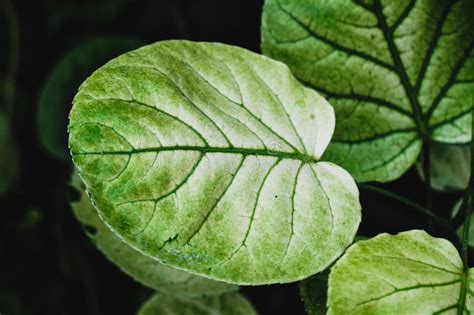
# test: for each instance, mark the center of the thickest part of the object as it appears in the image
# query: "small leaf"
(140, 267)
(450, 166)
(204, 156)
(408, 273)
(54, 102)
(313, 292)
(225, 304)
(396, 72)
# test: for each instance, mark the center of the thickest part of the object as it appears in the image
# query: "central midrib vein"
(461, 305)
(409, 90)
(231, 150)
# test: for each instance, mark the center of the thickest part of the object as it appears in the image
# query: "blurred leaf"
(104, 11)
(313, 292)
(140, 267)
(225, 304)
(450, 166)
(10, 303)
(32, 219)
(8, 156)
(55, 99)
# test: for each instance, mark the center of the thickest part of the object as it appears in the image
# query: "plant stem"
(408, 202)
(465, 231)
(466, 228)
(469, 206)
(427, 171)
(10, 79)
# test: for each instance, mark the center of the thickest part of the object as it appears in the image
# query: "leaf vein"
(336, 45)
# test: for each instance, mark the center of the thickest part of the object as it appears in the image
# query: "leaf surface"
(397, 73)
(205, 157)
(225, 304)
(408, 273)
(140, 267)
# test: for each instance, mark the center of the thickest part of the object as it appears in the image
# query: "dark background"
(47, 264)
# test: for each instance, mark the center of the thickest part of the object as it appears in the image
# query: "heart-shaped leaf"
(226, 304)
(140, 267)
(408, 273)
(397, 72)
(205, 157)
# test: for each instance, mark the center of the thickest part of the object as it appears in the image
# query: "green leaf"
(450, 166)
(8, 156)
(54, 101)
(408, 273)
(204, 156)
(396, 72)
(226, 304)
(313, 292)
(140, 267)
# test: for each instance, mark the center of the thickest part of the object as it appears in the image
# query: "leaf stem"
(466, 228)
(407, 202)
(467, 225)
(468, 206)
(427, 171)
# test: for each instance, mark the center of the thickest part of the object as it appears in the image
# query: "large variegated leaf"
(408, 273)
(397, 72)
(226, 304)
(140, 267)
(205, 157)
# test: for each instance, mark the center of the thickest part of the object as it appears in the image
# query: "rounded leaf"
(205, 157)
(408, 273)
